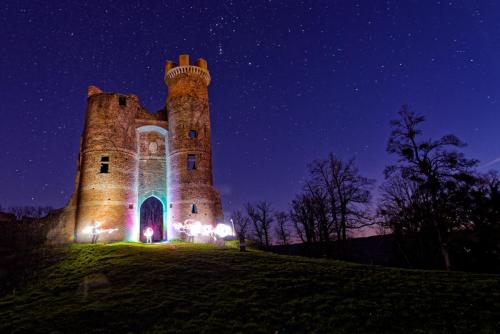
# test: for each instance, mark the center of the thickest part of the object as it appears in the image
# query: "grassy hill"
(203, 289)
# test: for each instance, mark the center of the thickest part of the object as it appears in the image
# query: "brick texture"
(146, 155)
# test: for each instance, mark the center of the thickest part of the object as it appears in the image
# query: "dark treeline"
(435, 196)
(27, 211)
(22, 227)
(441, 211)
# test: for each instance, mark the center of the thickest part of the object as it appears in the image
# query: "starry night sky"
(292, 81)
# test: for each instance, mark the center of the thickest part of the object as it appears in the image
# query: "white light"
(196, 228)
(222, 230)
(148, 232)
(88, 229)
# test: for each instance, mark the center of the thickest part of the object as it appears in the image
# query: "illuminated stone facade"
(128, 155)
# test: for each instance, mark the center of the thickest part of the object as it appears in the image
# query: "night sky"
(292, 81)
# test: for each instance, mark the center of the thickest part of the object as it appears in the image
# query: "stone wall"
(109, 138)
(188, 111)
(145, 155)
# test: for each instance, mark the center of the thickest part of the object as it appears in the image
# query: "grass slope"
(202, 289)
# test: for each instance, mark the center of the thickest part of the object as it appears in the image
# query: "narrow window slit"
(104, 165)
(122, 101)
(191, 162)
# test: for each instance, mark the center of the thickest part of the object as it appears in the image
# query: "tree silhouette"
(424, 179)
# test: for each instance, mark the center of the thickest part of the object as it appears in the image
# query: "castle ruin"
(129, 156)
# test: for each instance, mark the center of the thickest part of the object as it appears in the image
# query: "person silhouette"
(148, 233)
(94, 232)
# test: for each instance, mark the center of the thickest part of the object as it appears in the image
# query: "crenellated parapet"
(191, 192)
(200, 69)
(130, 157)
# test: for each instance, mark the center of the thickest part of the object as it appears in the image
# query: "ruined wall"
(145, 155)
(60, 226)
(109, 137)
(188, 111)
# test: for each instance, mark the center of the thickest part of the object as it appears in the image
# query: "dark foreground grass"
(202, 289)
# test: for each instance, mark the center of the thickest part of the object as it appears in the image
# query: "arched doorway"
(152, 216)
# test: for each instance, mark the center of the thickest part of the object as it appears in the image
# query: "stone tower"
(107, 166)
(129, 155)
(190, 188)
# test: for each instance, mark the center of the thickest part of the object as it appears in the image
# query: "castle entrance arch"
(151, 215)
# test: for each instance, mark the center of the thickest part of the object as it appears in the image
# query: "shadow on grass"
(199, 288)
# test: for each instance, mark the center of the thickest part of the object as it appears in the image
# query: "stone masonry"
(128, 155)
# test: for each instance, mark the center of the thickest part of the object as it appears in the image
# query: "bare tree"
(303, 218)
(435, 169)
(252, 215)
(241, 223)
(400, 205)
(282, 228)
(341, 197)
(261, 215)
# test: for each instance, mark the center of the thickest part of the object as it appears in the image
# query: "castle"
(129, 156)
